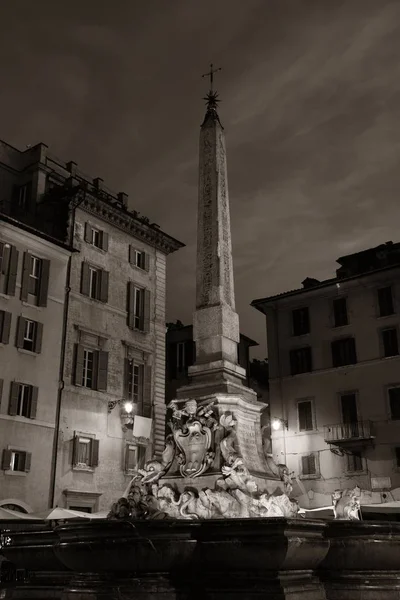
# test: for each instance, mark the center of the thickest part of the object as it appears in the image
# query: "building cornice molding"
(127, 222)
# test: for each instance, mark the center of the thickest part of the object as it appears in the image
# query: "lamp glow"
(276, 424)
(128, 406)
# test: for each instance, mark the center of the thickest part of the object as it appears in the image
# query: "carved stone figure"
(346, 504)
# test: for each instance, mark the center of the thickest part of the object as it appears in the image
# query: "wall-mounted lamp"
(126, 405)
(278, 423)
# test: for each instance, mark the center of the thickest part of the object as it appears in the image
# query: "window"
(5, 326)
(340, 312)
(305, 415)
(91, 368)
(29, 335)
(16, 460)
(309, 465)
(300, 360)
(23, 400)
(96, 237)
(138, 258)
(390, 342)
(134, 457)
(35, 279)
(354, 462)
(385, 301)
(21, 197)
(344, 352)
(301, 321)
(8, 268)
(137, 386)
(94, 282)
(138, 307)
(397, 456)
(394, 402)
(85, 451)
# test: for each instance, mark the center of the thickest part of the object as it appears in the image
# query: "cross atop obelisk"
(210, 74)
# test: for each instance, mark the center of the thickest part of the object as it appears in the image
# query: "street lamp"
(128, 407)
(278, 423)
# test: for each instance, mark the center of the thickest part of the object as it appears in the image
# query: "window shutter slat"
(146, 310)
(127, 457)
(146, 261)
(94, 453)
(103, 286)
(104, 241)
(126, 378)
(6, 460)
(12, 272)
(88, 233)
(34, 400)
(25, 276)
(147, 398)
(20, 332)
(1, 389)
(131, 304)
(85, 280)
(75, 450)
(102, 370)
(1, 257)
(28, 460)
(78, 371)
(131, 254)
(44, 283)
(14, 392)
(38, 337)
(5, 321)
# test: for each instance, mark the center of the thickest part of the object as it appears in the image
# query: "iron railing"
(341, 432)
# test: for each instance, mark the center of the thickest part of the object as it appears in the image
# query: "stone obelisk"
(216, 374)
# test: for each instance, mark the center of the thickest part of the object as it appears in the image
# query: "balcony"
(349, 435)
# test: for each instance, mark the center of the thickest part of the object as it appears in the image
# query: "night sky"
(310, 96)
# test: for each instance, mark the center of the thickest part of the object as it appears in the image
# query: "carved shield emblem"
(194, 444)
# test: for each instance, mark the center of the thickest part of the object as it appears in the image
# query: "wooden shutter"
(28, 460)
(38, 338)
(308, 465)
(5, 326)
(126, 378)
(78, 371)
(34, 399)
(131, 254)
(20, 332)
(127, 457)
(146, 310)
(146, 261)
(131, 304)
(103, 297)
(102, 368)
(85, 279)
(6, 460)
(1, 389)
(88, 233)
(1, 257)
(44, 283)
(147, 398)
(75, 450)
(104, 241)
(305, 416)
(14, 393)
(94, 453)
(26, 265)
(12, 272)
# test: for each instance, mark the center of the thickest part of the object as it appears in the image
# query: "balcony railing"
(349, 432)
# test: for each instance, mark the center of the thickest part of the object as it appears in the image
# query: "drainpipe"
(278, 354)
(61, 384)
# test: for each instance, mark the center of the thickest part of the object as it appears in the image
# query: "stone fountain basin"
(362, 545)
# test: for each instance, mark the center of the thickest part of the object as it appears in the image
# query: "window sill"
(96, 247)
(30, 305)
(29, 352)
(355, 473)
(5, 296)
(83, 469)
(93, 299)
(138, 268)
(338, 327)
(16, 473)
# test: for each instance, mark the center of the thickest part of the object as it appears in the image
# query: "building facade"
(111, 404)
(334, 363)
(180, 353)
(33, 269)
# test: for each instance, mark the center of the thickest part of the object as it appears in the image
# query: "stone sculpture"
(346, 504)
(236, 493)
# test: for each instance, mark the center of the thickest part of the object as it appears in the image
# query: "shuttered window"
(96, 237)
(309, 465)
(354, 462)
(138, 307)
(8, 268)
(340, 312)
(16, 460)
(304, 409)
(301, 321)
(5, 326)
(85, 451)
(390, 342)
(134, 457)
(29, 335)
(394, 402)
(91, 368)
(23, 400)
(344, 352)
(139, 258)
(35, 279)
(385, 301)
(300, 360)
(94, 282)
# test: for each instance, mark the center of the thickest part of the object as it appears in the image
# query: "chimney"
(123, 198)
(71, 167)
(98, 183)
